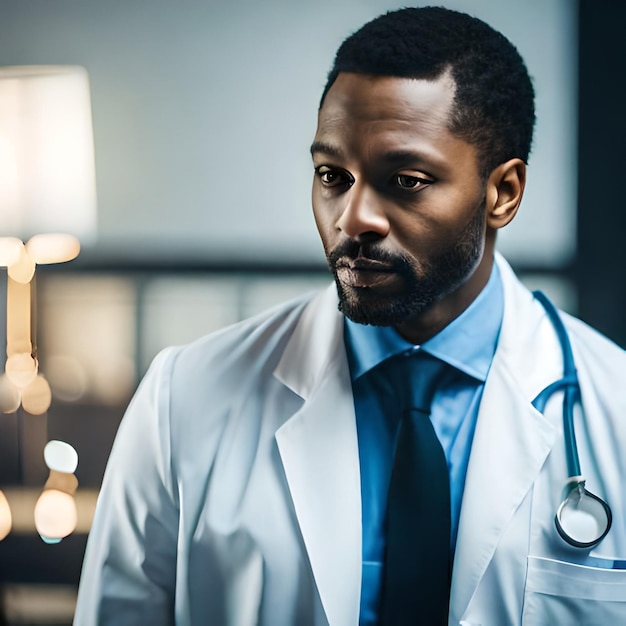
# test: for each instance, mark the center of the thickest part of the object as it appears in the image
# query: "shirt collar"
(468, 343)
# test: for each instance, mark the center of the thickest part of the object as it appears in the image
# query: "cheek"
(326, 207)
(429, 236)
(417, 233)
(322, 216)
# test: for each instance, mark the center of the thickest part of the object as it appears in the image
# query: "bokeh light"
(6, 520)
(10, 396)
(10, 250)
(21, 369)
(37, 397)
(55, 514)
(53, 248)
(23, 269)
(60, 456)
(67, 377)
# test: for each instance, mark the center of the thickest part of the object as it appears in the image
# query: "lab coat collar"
(512, 439)
(316, 342)
(319, 451)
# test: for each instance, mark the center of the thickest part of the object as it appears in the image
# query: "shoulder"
(191, 392)
(211, 359)
(589, 337)
(604, 358)
(530, 331)
(239, 341)
(210, 375)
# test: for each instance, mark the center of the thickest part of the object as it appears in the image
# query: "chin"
(365, 306)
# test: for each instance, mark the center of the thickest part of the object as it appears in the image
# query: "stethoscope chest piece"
(582, 519)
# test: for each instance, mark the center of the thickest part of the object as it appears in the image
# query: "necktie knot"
(414, 379)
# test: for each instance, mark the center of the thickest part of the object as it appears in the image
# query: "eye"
(330, 177)
(408, 181)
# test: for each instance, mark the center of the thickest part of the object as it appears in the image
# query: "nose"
(363, 217)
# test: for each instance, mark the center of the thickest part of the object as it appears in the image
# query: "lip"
(365, 274)
(368, 265)
(364, 264)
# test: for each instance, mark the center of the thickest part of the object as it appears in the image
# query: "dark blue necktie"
(416, 587)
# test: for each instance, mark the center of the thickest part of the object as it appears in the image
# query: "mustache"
(369, 251)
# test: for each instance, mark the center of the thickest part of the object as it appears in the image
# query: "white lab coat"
(232, 493)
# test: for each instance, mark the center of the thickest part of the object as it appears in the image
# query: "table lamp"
(47, 208)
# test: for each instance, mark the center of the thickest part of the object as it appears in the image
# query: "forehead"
(389, 110)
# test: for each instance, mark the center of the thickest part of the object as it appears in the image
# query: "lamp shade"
(47, 165)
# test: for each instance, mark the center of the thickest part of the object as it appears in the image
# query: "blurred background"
(203, 113)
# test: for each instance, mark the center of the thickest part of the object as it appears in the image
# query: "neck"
(419, 329)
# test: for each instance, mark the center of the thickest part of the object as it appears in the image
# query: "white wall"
(204, 112)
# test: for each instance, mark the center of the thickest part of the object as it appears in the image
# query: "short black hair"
(494, 98)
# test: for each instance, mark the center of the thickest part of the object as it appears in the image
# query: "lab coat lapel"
(512, 439)
(319, 451)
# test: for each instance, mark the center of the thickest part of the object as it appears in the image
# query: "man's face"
(398, 199)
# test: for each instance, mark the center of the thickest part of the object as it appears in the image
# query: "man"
(266, 474)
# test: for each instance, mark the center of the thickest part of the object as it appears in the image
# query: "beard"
(425, 281)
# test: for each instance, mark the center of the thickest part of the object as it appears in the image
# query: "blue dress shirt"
(467, 344)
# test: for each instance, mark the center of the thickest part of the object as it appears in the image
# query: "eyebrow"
(393, 156)
(326, 148)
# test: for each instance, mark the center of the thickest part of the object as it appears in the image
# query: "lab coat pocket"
(564, 593)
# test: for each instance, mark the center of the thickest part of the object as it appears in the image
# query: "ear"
(504, 191)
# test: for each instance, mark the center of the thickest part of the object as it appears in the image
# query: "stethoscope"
(582, 519)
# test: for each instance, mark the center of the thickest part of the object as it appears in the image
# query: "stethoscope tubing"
(569, 383)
